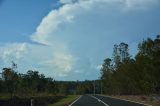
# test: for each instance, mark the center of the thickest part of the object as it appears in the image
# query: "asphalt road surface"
(97, 100)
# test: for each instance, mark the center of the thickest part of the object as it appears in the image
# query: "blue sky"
(69, 40)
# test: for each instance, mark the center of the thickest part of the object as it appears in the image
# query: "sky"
(69, 39)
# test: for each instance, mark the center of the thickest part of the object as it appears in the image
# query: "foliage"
(24, 85)
(33, 84)
(139, 75)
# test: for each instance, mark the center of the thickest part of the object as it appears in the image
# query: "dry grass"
(64, 102)
(153, 100)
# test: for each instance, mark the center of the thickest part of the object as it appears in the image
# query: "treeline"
(32, 84)
(123, 74)
(79, 87)
(25, 85)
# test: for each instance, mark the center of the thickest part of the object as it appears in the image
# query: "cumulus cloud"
(13, 51)
(126, 4)
(67, 12)
(62, 59)
(50, 30)
(140, 4)
(61, 62)
(50, 23)
(68, 1)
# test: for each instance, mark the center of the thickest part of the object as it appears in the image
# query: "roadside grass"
(156, 104)
(42, 94)
(66, 101)
(40, 99)
(4, 96)
(153, 100)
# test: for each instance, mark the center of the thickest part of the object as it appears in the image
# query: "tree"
(149, 58)
(11, 80)
(139, 75)
(120, 53)
(106, 75)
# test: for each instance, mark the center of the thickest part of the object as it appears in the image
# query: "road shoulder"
(129, 99)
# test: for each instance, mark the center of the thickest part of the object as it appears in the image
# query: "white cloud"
(61, 62)
(13, 51)
(48, 31)
(66, 1)
(127, 4)
(50, 23)
(140, 4)
(67, 12)
(99, 67)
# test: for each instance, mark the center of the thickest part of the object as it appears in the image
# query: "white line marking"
(99, 100)
(75, 101)
(125, 100)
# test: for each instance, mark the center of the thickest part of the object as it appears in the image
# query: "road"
(97, 100)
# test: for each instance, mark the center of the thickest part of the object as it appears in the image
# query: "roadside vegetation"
(17, 89)
(65, 101)
(153, 100)
(134, 77)
(25, 85)
(124, 75)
